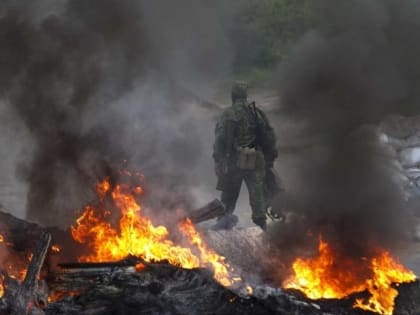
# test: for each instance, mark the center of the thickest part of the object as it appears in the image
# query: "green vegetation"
(264, 31)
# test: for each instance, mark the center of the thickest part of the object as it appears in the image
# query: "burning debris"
(137, 236)
(129, 263)
(160, 288)
(332, 276)
(28, 296)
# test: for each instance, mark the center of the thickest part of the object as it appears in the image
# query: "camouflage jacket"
(237, 127)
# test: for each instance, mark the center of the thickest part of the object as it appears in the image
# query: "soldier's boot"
(261, 222)
(225, 222)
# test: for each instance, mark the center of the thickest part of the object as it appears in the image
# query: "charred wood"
(121, 288)
(166, 289)
(27, 297)
(22, 234)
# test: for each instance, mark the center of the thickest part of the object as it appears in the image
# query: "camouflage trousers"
(254, 181)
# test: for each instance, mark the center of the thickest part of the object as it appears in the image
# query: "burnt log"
(28, 297)
(157, 289)
(167, 289)
(130, 261)
(210, 211)
(21, 234)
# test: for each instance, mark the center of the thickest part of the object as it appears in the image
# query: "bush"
(263, 31)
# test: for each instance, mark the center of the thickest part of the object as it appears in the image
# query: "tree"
(263, 31)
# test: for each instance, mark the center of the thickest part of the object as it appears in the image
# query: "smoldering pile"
(155, 288)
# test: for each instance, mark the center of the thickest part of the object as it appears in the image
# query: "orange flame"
(208, 256)
(15, 267)
(140, 267)
(137, 236)
(328, 276)
(13, 272)
(102, 188)
(386, 272)
(55, 249)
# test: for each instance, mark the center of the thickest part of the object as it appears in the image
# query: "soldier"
(243, 149)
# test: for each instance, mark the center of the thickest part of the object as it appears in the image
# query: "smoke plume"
(338, 84)
(95, 82)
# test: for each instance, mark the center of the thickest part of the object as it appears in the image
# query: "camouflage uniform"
(237, 128)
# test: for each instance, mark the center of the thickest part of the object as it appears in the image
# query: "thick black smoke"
(338, 84)
(94, 82)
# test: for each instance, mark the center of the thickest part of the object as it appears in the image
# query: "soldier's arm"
(224, 133)
(223, 144)
(268, 141)
(221, 133)
(219, 142)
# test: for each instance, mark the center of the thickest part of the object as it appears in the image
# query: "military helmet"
(239, 90)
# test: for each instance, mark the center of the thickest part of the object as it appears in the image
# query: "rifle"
(258, 131)
(272, 184)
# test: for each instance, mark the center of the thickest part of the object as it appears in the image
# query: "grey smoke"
(94, 82)
(338, 84)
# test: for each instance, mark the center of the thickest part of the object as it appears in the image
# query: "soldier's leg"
(229, 198)
(255, 183)
(231, 193)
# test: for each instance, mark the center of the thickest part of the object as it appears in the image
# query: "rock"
(243, 247)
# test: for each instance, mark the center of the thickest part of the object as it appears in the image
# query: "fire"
(13, 272)
(208, 256)
(55, 249)
(386, 272)
(15, 267)
(136, 235)
(249, 290)
(140, 267)
(329, 276)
